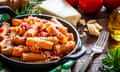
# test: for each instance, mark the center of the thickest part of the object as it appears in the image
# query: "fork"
(98, 47)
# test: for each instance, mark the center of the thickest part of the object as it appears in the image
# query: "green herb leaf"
(4, 17)
(108, 62)
(111, 53)
(109, 70)
(112, 62)
(28, 9)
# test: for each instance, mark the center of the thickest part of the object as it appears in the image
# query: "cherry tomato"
(73, 2)
(25, 26)
(111, 4)
(90, 6)
(43, 34)
(1, 29)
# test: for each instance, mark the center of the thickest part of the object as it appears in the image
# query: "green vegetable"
(112, 62)
(29, 9)
(4, 17)
(1, 67)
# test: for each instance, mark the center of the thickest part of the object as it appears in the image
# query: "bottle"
(14, 4)
(114, 24)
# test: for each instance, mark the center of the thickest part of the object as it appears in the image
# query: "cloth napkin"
(66, 67)
(2, 69)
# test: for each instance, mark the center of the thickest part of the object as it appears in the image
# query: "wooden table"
(88, 41)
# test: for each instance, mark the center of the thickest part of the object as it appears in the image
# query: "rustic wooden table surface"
(96, 64)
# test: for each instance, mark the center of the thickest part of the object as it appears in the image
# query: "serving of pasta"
(34, 39)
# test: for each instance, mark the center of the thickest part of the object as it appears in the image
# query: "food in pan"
(34, 39)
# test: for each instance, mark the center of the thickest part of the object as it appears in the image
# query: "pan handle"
(8, 10)
(78, 53)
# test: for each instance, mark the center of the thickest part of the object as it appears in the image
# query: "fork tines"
(102, 39)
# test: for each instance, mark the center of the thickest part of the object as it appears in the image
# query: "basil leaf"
(108, 62)
(112, 62)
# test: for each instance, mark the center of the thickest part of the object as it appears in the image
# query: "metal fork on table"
(97, 48)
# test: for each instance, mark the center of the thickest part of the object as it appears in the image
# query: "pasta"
(33, 56)
(35, 40)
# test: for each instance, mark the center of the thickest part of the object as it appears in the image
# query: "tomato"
(1, 29)
(43, 34)
(25, 26)
(73, 2)
(111, 4)
(90, 6)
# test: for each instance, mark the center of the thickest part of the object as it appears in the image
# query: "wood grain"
(96, 65)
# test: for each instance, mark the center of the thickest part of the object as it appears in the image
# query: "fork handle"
(86, 63)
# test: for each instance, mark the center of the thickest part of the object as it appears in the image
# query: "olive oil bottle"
(114, 24)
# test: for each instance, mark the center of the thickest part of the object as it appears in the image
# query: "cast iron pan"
(18, 66)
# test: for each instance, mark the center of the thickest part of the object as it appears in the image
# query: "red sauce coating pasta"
(35, 40)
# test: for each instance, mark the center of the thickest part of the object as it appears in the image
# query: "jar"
(114, 24)
(14, 4)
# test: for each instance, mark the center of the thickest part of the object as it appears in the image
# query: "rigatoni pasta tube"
(16, 22)
(5, 26)
(64, 48)
(17, 30)
(18, 40)
(59, 26)
(52, 39)
(30, 33)
(36, 41)
(51, 29)
(7, 51)
(33, 56)
(17, 51)
(70, 36)
(62, 38)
